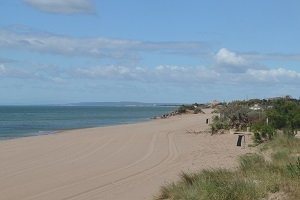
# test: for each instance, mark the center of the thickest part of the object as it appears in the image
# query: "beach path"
(111, 163)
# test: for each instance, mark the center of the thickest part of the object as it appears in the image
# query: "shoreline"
(51, 132)
(14, 122)
(128, 161)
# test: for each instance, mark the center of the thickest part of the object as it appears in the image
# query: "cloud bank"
(167, 82)
(192, 75)
(183, 76)
(227, 71)
(279, 75)
(161, 73)
(227, 67)
(92, 47)
(63, 6)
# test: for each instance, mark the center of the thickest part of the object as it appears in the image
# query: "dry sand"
(111, 163)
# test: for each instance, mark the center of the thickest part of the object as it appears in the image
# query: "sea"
(25, 121)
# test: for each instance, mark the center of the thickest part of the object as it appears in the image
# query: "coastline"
(128, 161)
(27, 121)
(52, 132)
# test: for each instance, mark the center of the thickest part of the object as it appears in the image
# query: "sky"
(167, 51)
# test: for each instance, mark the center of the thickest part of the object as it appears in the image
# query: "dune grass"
(255, 178)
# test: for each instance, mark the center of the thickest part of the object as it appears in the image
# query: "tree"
(285, 115)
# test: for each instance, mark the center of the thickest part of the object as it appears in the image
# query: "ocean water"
(24, 121)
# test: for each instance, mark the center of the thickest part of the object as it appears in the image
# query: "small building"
(256, 107)
(215, 103)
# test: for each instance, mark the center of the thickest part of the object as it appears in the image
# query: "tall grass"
(255, 178)
(210, 185)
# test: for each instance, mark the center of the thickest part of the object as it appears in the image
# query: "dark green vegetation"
(262, 132)
(184, 109)
(273, 171)
(285, 115)
(262, 116)
(194, 108)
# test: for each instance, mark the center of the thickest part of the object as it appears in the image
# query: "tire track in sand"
(172, 154)
(149, 173)
(66, 161)
(147, 155)
(62, 160)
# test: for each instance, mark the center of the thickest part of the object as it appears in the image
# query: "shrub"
(182, 109)
(257, 138)
(262, 132)
(285, 115)
(194, 107)
(219, 124)
(198, 110)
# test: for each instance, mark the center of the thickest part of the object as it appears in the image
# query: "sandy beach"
(111, 163)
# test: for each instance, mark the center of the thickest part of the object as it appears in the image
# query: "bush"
(285, 115)
(262, 132)
(184, 108)
(219, 124)
(198, 110)
(257, 138)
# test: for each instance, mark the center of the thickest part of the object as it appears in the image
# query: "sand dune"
(111, 163)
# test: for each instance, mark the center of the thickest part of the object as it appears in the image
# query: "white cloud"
(279, 75)
(224, 56)
(107, 72)
(11, 72)
(162, 73)
(63, 6)
(22, 71)
(91, 47)
(228, 67)
(196, 81)
(232, 62)
(195, 75)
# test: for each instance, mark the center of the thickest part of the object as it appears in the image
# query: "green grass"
(255, 177)
(210, 185)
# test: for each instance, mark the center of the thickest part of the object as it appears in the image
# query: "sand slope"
(111, 163)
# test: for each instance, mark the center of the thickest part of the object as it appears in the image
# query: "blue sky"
(61, 51)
